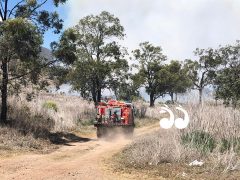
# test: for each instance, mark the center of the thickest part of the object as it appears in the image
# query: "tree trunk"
(94, 98)
(176, 97)
(171, 94)
(94, 95)
(200, 95)
(4, 91)
(98, 90)
(152, 99)
(99, 95)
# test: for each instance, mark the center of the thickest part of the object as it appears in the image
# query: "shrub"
(27, 122)
(81, 122)
(12, 139)
(50, 105)
(228, 144)
(169, 102)
(201, 140)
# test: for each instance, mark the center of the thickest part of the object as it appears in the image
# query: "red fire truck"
(114, 116)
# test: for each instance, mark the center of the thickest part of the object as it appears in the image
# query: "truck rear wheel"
(101, 132)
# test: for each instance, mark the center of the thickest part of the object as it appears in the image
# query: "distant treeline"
(94, 60)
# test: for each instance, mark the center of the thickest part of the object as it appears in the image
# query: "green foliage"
(31, 9)
(151, 69)
(202, 71)
(168, 102)
(21, 31)
(227, 79)
(228, 144)
(20, 45)
(159, 78)
(177, 78)
(94, 59)
(200, 140)
(81, 122)
(50, 105)
(127, 88)
(20, 38)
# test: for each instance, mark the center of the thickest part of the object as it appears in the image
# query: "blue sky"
(62, 11)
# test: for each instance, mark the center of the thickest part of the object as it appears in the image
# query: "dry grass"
(13, 141)
(70, 112)
(36, 125)
(212, 136)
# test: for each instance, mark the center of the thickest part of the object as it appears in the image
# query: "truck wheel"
(101, 132)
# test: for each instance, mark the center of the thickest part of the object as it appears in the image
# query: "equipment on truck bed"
(113, 116)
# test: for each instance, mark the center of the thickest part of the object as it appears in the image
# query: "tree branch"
(202, 78)
(38, 6)
(11, 11)
(37, 68)
(5, 10)
(1, 10)
(1, 15)
(196, 84)
(157, 96)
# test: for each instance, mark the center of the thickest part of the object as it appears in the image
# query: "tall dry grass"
(213, 135)
(70, 111)
(44, 121)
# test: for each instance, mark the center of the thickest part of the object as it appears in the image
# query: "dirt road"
(81, 160)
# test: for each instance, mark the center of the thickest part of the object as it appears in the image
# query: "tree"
(177, 79)
(151, 69)
(91, 53)
(227, 79)
(23, 24)
(201, 71)
(126, 88)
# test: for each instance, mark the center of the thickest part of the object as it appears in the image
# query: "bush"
(27, 122)
(11, 139)
(200, 140)
(152, 149)
(81, 122)
(50, 105)
(169, 102)
(228, 144)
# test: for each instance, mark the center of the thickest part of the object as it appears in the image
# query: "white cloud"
(179, 26)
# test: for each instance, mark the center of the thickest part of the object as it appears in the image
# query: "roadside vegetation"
(37, 126)
(211, 137)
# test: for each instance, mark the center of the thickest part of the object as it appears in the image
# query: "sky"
(178, 26)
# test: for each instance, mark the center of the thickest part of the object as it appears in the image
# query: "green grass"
(201, 140)
(50, 105)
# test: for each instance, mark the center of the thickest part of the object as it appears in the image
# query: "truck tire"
(101, 132)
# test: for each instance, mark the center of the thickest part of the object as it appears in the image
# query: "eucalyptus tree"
(202, 71)
(227, 78)
(177, 80)
(151, 73)
(22, 26)
(92, 55)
